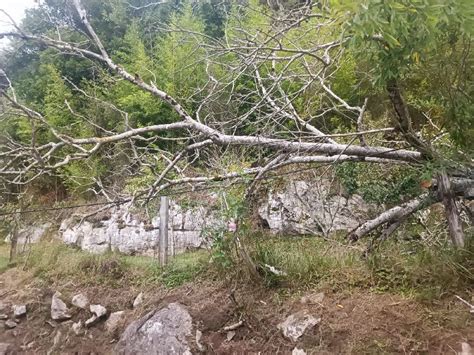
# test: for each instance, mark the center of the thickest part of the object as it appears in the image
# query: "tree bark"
(447, 196)
(404, 120)
(392, 215)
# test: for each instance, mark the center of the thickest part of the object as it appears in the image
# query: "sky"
(16, 9)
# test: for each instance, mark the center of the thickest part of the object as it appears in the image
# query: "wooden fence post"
(164, 214)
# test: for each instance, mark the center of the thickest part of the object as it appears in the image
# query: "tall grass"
(408, 268)
(52, 261)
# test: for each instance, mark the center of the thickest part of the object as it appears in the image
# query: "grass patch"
(4, 257)
(54, 261)
(411, 269)
(407, 268)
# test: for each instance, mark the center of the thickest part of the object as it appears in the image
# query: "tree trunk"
(14, 240)
(392, 215)
(447, 196)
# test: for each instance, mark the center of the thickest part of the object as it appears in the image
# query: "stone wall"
(299, 207)
(124, 231)
(311, 207)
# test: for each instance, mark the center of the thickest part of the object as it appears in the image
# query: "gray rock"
(6, 349)
(297, 351)
(199, 345)
(59, 310)
(159, 332)
(98, 313)
(295, 325)
(465, 349)
(9, 324)
(30, 234)
(230, 335)
(91, 321)
(77, 327)
(313, 298)
(3, 316)
(311, 207)
(138, 300)
(19, 310)
(98, 310)
(115, 321)
(80, 301)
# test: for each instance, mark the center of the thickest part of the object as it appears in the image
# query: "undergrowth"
(411, 269)
(4, 257)
(52, 261)
(407, 268)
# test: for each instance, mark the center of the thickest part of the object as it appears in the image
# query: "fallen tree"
(269, 60)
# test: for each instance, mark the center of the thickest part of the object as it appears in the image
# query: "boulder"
(296, 324)
(80, 301)
(164, 331)
(59, 310)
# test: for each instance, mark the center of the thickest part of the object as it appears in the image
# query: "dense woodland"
(136, 98)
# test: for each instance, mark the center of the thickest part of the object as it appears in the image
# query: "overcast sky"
(16, 9)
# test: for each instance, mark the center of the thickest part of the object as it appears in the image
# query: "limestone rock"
(91, 321)
(295, 325)
(297, 351)
(76, 327)
(19, 310)
(98, 310)
(138, 300)
(127, 233)
(80, 301)
(159, 332)
(3, 316)
(303, 207)
(59, 310)
(199, 345)
(30, 234)
(313, 298)
(230, 335)
(9, 324)
(465, 349)
(115, 321)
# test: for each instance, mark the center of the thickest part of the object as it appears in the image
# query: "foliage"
(382, 185)
(222, 241)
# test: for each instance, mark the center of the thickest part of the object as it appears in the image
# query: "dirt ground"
(352, 323)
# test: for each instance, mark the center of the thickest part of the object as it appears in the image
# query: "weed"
(406, 268)
(4, 257)
(184, 268)
(54, 261)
